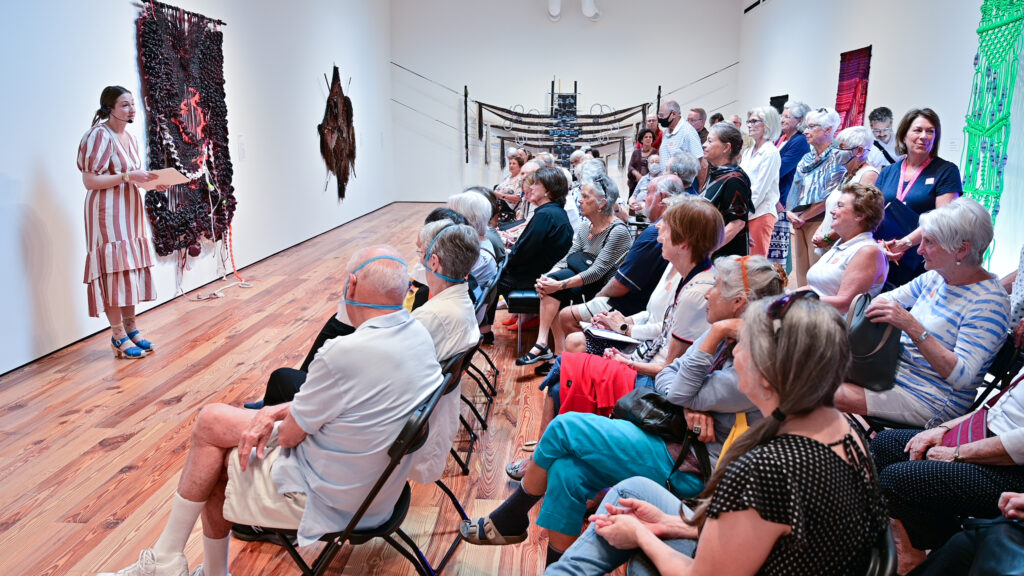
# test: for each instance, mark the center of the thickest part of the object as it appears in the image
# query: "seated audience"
(477, 211)
(761, 163)
(510, 190)
(673, 319)
(630, 289)
(447, 251)
(308, 464)
(853, 143)
(958, 319)
(922, 182)
(599, 244)
(545, 239)
(497, 244)
(283, 383)
(795, 494)
(930, 487)
(818, 174)
(855, 264)
(638, 161)
(728, 187)
(579, 453)
(686, 167)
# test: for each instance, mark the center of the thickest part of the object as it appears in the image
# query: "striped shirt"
(609, 247)
(970, 320)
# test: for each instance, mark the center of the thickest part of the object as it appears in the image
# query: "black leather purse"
(652, 413)
(874, 347)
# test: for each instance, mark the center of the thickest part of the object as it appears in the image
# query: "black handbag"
(580, 261)
(874, 347)
(654, 414)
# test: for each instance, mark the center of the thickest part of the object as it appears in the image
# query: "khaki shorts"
(899, 405)
(251, 496)
(591, 308)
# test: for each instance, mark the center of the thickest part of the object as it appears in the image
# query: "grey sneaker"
(147, 566)
(199, 571)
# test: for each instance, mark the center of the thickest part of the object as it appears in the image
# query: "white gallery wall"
(508, 53)
(58, 55)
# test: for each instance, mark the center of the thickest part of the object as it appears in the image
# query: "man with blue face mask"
(308, 464)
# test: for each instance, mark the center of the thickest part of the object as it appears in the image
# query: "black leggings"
(284, 383)
(930, 497)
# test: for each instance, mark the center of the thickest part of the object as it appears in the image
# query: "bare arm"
(104, 181)
(613, 289)
(866, 266)
(734, 543)
(989, 451)
(732, 229)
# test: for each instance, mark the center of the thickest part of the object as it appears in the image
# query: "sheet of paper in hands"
(166, 177)
(609, 339)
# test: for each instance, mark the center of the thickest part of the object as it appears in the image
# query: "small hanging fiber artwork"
(181, 62)
(337, 136)
(852, 93)
(987, 127)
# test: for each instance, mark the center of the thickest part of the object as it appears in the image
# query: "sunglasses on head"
(777, 310)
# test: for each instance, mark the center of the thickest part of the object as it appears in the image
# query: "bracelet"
(956, 454)
(947, 428)
(563, 285)
(125, 177)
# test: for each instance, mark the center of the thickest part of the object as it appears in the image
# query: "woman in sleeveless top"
(855, 264)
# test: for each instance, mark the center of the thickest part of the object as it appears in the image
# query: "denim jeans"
(592, 555)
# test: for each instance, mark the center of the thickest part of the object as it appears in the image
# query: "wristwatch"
(917, 341)
(124, 177)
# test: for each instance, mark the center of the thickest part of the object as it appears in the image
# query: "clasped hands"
(622, 525)
(927, 445)
(546, 285)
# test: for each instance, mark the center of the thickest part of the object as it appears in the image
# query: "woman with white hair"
(854, 143)
(761, 162)
(477, 211)
(792, 145)
(957, 320)
(818, 174)
(599, 244)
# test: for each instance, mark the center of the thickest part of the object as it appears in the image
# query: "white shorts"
(251, 496)
(591, 308)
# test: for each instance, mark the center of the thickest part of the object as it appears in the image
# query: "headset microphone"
(127, 121)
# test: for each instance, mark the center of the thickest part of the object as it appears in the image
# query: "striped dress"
(118, 259)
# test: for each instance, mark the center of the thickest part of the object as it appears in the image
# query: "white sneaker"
(147, 566)
(199, 571)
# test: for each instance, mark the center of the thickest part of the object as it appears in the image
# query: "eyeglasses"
(881, 132)
(777, 310)
(754, 122)
(809, 127)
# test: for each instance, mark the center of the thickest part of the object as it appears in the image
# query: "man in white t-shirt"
(680, 135)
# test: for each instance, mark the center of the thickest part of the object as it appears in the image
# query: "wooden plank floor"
(91, 447)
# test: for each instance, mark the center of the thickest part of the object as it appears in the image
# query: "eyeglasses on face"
(809, 127)
(754, 121)
(777, 310)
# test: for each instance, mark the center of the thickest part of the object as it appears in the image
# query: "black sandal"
(531, 358)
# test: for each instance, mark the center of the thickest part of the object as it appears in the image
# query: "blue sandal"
(126, 349)
(141, 342)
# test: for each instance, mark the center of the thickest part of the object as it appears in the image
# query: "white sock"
(184, 514)
(215, 555)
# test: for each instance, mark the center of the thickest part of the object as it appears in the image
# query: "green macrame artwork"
(987, 127)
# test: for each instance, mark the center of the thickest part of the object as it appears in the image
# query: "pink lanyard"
(901, 193)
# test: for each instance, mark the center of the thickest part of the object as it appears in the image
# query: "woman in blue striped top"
(957, 320)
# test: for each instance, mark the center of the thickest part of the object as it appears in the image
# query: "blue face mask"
(374, 306)
(430, 250)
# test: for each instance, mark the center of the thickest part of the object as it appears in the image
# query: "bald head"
(382, 281)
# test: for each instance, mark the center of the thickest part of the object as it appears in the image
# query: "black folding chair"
(410, 439)
(456, 367)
